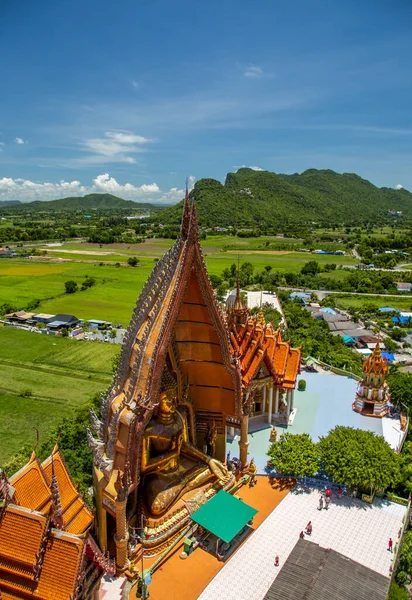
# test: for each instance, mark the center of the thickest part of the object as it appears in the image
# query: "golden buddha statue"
(171, 465)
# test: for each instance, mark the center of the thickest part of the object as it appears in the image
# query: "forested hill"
(84, 203)
(251, 197)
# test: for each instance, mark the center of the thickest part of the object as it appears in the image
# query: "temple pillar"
(270, 403)
(122, 537)
(288, 403)
(264, 398)
(276, 401)
(243, 442)
(122, 533)
(292, 399)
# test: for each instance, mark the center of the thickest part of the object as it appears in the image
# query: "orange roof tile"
(32, 490)
(281, 355)
(76, 514)
(21, 533)
(58, 577)
(63, 558)
(292, 367)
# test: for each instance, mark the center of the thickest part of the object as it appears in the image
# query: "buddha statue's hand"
(217, 468)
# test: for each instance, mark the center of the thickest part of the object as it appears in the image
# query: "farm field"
(59, 373)
(378, 301)
(39, 285)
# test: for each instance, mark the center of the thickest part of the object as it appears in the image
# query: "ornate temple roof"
(256, 342)
(176, 319)
(376, 364)
(44, 527)
(37, 561)
(33, 490)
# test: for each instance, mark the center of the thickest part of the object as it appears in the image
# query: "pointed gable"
(176, 312)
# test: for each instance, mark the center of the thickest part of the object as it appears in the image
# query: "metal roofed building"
(315, 573)
(224, 515)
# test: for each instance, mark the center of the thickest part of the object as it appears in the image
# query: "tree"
(294, 454)
(302, 385)
(88, 282)
(406, 466)
(404, 570)
(310, 268)
(71, 287)
(401, 388)
(215, 280)
(397, 593)
(361, 458)
(132, 261)
(112, 334)
(390, 345)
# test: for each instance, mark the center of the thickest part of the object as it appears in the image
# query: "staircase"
(111, 588)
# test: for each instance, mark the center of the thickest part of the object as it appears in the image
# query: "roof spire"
(56, 446)
(34, 454)
(193, 226)
(186, 213)
(57, 511)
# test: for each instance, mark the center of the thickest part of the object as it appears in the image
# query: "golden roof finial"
(56, 445)
(34, 453)
(376, 364)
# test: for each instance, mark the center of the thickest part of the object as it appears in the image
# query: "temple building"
(187, 372)
(373, 394)
(269, 366)
(46, 550)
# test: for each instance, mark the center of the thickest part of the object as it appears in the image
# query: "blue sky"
(132, 96)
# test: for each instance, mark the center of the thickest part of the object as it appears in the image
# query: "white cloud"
(105, 183)
(399, 187)
(253, 71)
(27, 191)
(135, 84)
(255, 168)
(114, 147)
(19, 140)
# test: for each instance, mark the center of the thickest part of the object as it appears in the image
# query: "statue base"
(160, 532)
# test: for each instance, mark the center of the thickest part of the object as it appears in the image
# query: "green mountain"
(84, 203)
(9, 203)
(250, 198)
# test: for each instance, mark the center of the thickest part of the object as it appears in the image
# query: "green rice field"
(56, 374)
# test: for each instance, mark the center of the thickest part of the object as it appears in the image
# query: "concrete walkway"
(351, 527)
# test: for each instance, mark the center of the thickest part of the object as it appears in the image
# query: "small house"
(21, 316)
(62, 321)
(403, 286)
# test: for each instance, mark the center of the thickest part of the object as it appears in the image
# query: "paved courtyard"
(351, 527)
(326, 402)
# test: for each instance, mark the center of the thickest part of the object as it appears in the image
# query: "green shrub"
(302, 385)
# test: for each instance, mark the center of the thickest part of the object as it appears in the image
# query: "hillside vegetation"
(258, 198)
(81, 203)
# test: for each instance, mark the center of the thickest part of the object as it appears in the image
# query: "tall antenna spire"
(186, 213)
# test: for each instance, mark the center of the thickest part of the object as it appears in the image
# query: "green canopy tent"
(224, 515)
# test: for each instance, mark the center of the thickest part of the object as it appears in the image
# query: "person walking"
(276, 561)
(390, 545)
(320, 503)
(327, 501)
(302, 535)
(339, 492)
(309, 528)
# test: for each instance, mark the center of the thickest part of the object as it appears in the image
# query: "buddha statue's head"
(168, 394)
(167, 402)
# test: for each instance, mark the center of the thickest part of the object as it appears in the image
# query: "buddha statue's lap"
(171, 465)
